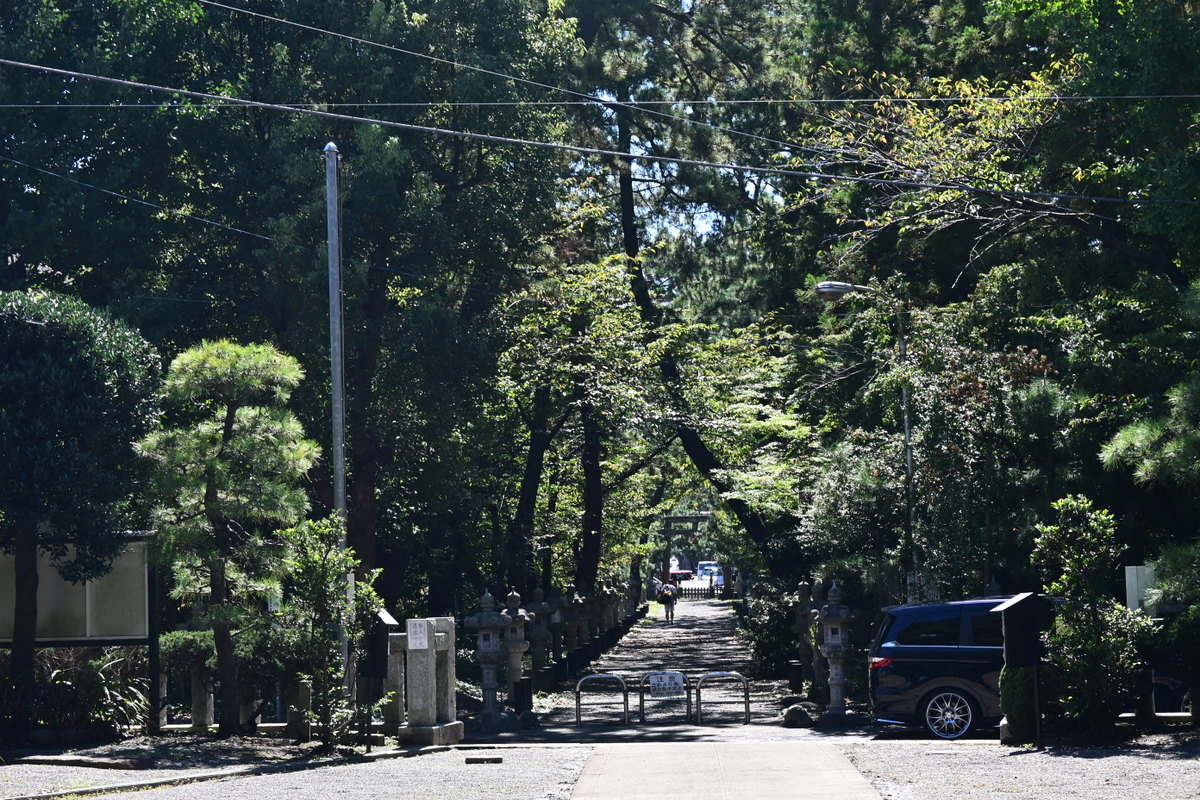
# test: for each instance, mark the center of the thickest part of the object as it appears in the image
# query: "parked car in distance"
(938, 665)
(710, 569)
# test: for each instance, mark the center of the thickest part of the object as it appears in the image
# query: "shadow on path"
(702, 639)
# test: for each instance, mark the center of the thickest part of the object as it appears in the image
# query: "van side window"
(938, 630)
(988, 630)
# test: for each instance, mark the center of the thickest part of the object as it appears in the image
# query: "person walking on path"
(668, 595)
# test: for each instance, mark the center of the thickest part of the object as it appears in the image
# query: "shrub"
(1016, 702)
(767, 627)
(183, 652)
(1096, 646)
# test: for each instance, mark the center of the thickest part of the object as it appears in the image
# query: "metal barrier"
(712, 676)
(665, 684)
(602, 676)
(706, 592)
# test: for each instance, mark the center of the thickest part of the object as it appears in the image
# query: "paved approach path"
(723, 759)
(703, 638)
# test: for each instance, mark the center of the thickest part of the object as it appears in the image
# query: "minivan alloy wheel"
(948, 714)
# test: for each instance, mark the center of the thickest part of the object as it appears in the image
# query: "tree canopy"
(548, 349)
(77, 389)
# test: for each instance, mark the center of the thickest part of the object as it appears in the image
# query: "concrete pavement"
(721, 771)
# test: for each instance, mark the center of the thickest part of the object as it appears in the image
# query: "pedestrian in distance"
(667, 595)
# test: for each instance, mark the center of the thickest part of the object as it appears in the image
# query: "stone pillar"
(421, 675)
(592, 607)
(613, 606)
(570, 607)
(299, 726)
(488, 625)
(802, 627)
(396, 707)
(202, 703)
(248, 703)
(834, 619)
(446, 700)
(575, 631)
(428, 678)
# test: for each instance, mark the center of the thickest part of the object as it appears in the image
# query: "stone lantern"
(558, 626)
(614, 609)
(573, 611)
(539, 631)
(820, 667)
(516, 644)
(489, 626)
(834, 619)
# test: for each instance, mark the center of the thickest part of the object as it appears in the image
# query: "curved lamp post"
(831, 291)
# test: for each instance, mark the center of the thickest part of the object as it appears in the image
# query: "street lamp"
(830, 292)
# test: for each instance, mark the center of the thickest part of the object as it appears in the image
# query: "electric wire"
(210, 222)
(607, 103)
(632, 103)
(592, 151)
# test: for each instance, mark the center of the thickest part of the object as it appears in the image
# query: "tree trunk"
(593, 501)
(227, 668)
(519, 556)
(25, 597)
(366, 454)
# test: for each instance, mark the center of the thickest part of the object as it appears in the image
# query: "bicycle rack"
(601, 676)
(682, 680)
(715, 675)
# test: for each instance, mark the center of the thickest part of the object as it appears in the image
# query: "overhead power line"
(590, 98)
(592, 151)
(139, 201)
(205, 221)
(636, 104)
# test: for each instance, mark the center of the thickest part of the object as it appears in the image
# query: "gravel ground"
(1155, 767)
(524, 773)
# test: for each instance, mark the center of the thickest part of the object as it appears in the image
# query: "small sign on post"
(418, 634)
(667, 684)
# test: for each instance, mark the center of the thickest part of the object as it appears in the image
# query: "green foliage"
(1078, 554)
(228, 472)
(318, 610)
(1016, 702)
(77, 389)
(1097, 645)
(92, 692)
(767, 628)
(185, 652)
(1176, 593)
(1163, 449)
(230, 465)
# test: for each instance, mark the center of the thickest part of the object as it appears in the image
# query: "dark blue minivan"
(938, 665)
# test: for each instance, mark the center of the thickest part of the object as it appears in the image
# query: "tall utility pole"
(333, 226)
(338, 405)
